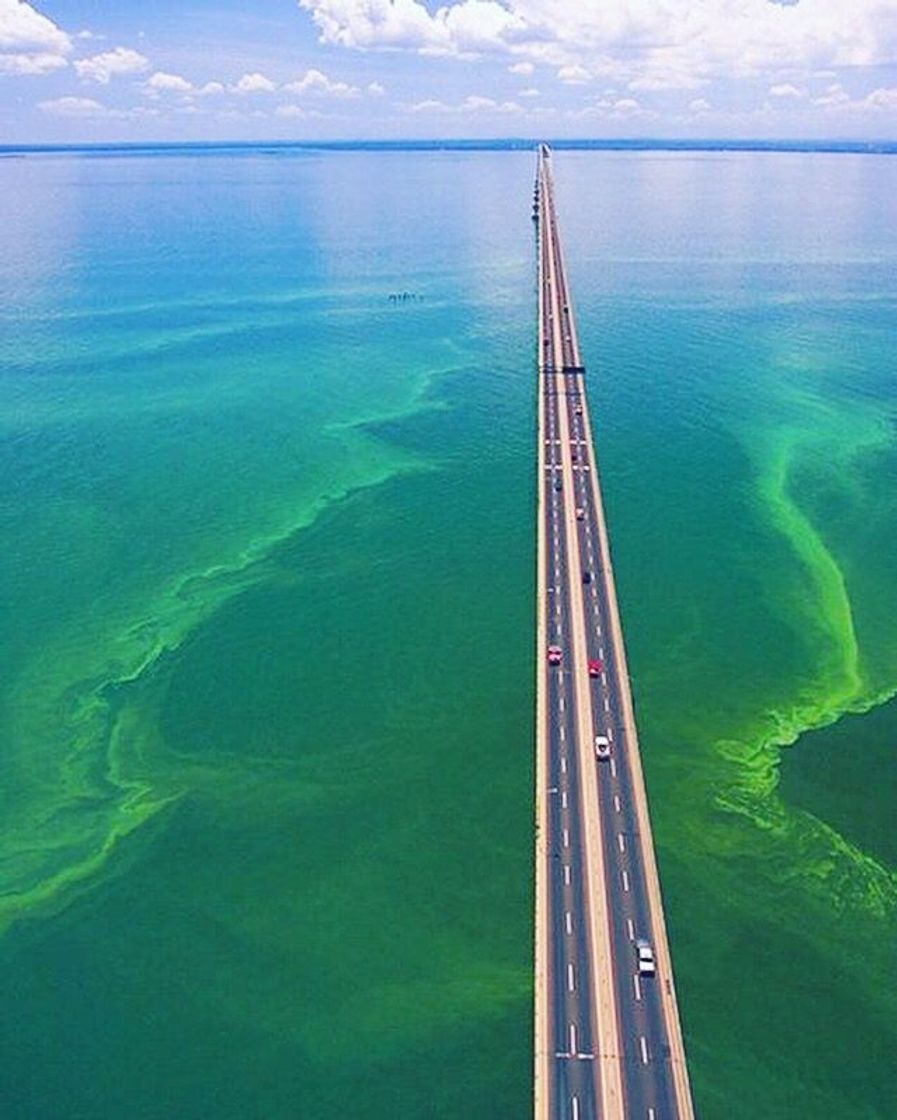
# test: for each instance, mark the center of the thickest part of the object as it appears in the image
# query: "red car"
(596, 668)
(555, 654)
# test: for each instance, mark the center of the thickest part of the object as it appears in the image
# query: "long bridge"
(608, 1042)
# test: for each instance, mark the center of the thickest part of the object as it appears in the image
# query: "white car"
(646, 963)
(602, 746)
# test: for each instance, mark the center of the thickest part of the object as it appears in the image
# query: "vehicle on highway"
(580, 513)
(596, 667)
(646, 963)
(602, 746)
(577, 410)
(555, 655)
(558, 485)
(586, 576)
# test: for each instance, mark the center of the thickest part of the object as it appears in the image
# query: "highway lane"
(643, 1038)
(569, 972)
(632, 1019)
(645, 1047)
(584, 1082)
(571, 978)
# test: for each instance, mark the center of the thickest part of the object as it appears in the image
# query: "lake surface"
(266, 574)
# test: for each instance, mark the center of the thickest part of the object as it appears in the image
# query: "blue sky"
(81, 70)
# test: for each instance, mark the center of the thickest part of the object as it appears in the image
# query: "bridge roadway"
(608, 1043)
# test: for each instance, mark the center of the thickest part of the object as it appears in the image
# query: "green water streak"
(815, 874)
(79, 787)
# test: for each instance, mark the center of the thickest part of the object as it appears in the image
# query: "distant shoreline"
(855, 147)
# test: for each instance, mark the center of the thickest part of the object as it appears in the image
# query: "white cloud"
(881, 99)
(471, 104)
(521, 68)
(574, 75)
(31, 63)
(487, 104)
(656, 43)
(88, 107)
(429, 106)
(210, 89)
(29, 42)
(786, 89)
(23, 29)
(314, 81)
(836, 94)
(161, 82)
(619, 109)
(699, 105)
(464, 28)
(376, 89)
(529, 92)
(662, 79)
(290, 111)
(836, 99)
(254, 83)
(73, 107)
(102, 67)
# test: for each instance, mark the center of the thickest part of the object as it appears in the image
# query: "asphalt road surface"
(608, 1040)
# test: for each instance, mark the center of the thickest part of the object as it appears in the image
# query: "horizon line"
(878, 147)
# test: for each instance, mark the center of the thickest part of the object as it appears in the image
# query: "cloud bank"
(659, 43)
(29, 42)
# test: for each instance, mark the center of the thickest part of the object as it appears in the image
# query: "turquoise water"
(266, 683)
